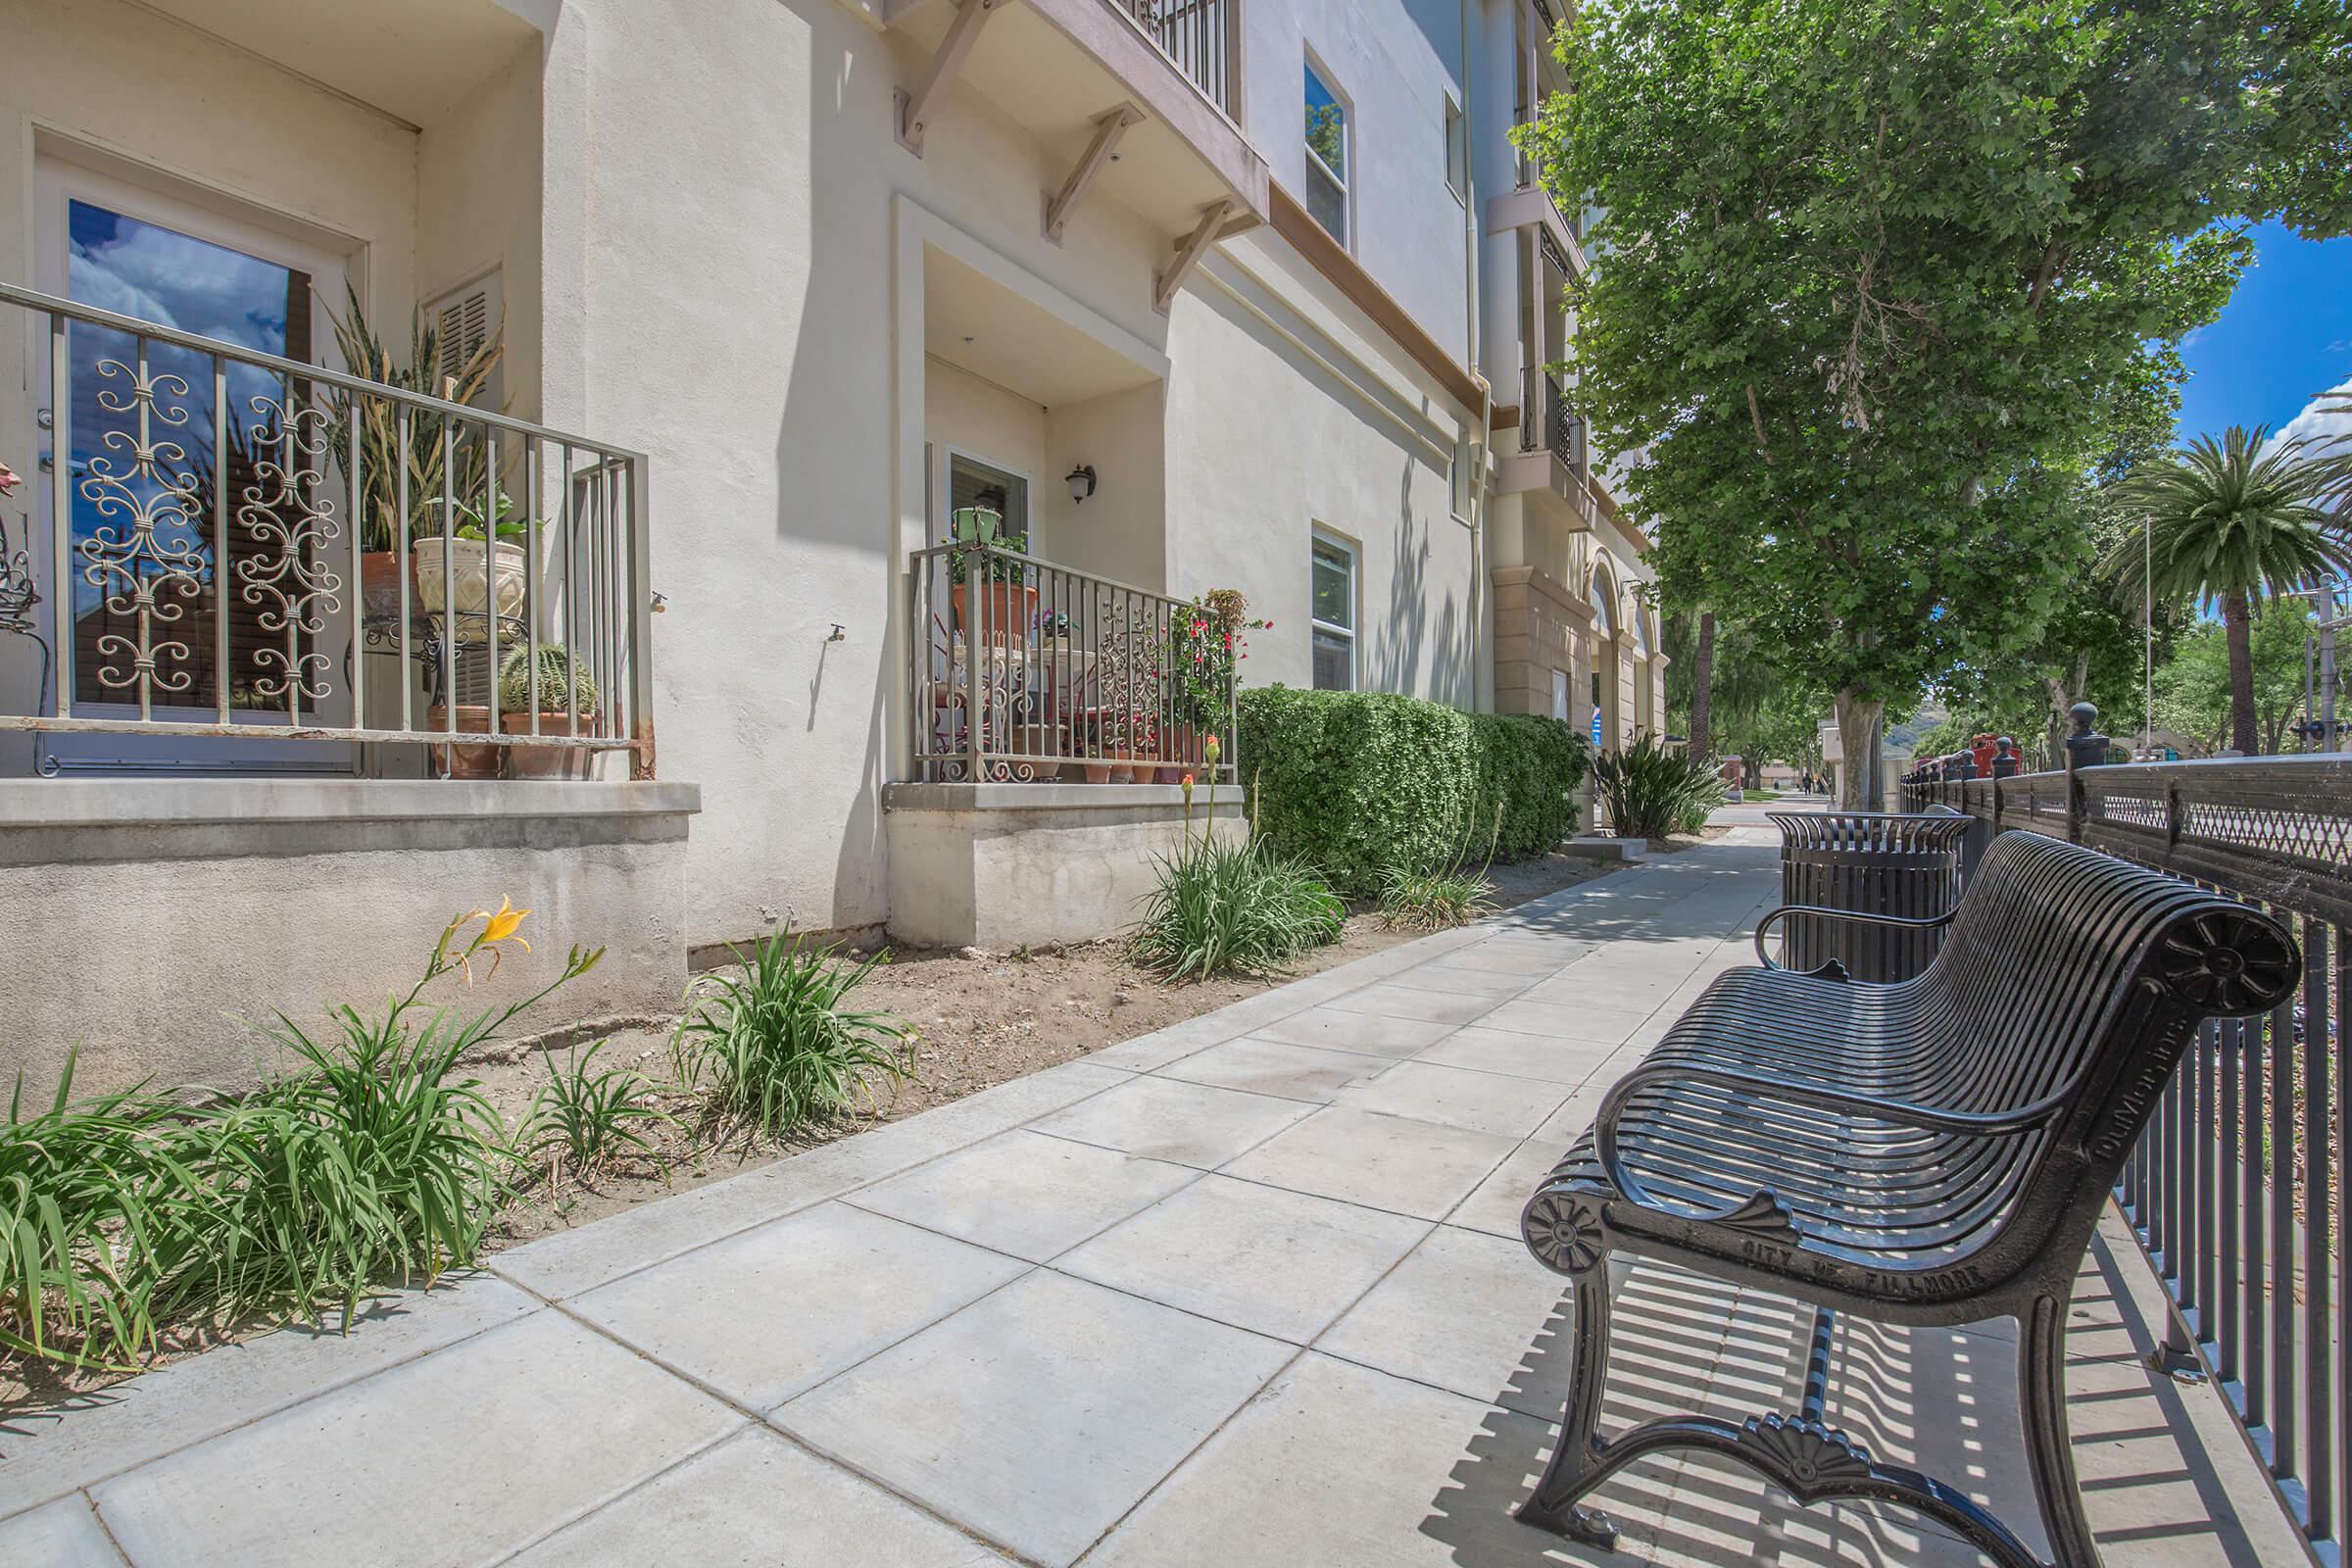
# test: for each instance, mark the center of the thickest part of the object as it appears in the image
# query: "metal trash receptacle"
(1867, 863)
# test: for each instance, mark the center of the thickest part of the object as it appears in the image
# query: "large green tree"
(2234, 522)
(1878, 282)
(2197, 687)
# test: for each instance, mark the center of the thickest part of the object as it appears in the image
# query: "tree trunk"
(1702, 684)
(1858, 729)
(2237, 629)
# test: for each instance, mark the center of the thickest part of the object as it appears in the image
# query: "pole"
(2328, 625)
(2147, 678)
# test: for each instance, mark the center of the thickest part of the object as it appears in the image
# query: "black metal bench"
(1838, 864)
(1933, 1153)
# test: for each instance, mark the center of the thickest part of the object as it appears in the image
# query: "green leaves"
(1357, 783)
(588, 1116)
(1223, 905)
(1882, 290)
(779, 1043)
(1651, 792)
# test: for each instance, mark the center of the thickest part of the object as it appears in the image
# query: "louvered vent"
(467, 318)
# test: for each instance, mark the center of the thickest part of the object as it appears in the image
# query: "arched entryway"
(1608, 670)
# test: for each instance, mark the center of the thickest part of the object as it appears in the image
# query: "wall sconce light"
(1081, 481)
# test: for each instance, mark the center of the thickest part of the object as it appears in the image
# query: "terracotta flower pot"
(552, 761)
(379, 584)
(1007, 607)
(1098, 772)
(478, 760)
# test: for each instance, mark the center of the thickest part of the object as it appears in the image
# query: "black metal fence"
(2237, 1190)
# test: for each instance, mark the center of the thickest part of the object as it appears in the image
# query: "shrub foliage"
(1359, 784)
(1650, 791)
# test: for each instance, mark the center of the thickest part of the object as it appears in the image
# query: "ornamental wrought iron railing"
(1544, 422)
(1028, 673)
(1202, 37)
(2237, 1188)
(224, 545)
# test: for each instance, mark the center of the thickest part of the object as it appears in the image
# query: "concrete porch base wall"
(137, 916)
(994, 865)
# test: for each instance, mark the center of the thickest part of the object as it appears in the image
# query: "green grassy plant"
(364, 1163)
(1222, 906)
(588, 1118)
(1439, 897)
(89, 1196)
(779, 1045)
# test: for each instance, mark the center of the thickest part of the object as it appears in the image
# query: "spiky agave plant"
(1649, 790)
(394, 436)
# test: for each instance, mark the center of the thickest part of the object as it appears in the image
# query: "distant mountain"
(1904, 737)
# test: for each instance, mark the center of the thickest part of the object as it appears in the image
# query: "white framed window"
(1331, 613)
(1328, 132)
(1457, 150)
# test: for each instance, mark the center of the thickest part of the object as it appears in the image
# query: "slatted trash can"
(1869, 863)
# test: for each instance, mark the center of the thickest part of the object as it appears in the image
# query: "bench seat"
(1933, 1151)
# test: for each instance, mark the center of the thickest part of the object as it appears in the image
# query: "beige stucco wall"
(1285, 417)
(717, 216)
(1121, 531)
(136, 916)
(996, 865)
(478, 186)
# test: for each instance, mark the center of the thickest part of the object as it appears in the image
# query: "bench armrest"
(1808, 1095)
(1910, 922)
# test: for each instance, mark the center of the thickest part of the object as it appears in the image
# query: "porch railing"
(1203, 38)
(219, 543)
(2237, 1187)
(1025, 671)
(1544, 420)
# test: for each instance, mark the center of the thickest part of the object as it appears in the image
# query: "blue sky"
(2285, 337)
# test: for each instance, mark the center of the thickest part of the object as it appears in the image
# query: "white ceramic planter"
(473, 586)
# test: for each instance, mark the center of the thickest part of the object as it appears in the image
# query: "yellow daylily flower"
(502, 925)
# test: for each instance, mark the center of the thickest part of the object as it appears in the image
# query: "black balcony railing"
(1544, 420)
(2237, 1189)
(1202, 36)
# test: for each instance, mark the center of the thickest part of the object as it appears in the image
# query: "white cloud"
(2325, 420)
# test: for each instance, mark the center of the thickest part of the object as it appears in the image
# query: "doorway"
(166, 460)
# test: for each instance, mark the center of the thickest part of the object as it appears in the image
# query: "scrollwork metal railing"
(1024, 671)
(2237, 1190)
(231, 545)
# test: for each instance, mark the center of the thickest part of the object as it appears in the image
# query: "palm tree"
(2229, 521)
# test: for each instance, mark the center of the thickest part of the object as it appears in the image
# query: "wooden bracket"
(1109, 127)
(1188, 252)
(917, 108)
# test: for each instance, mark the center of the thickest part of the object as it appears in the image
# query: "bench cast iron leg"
(1575, 1469)
(2042, 1400)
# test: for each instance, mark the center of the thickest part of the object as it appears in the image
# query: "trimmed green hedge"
(1357, 782)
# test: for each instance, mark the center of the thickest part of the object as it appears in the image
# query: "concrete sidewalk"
(1245, 1292)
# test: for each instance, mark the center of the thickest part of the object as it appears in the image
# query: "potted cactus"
(545, 690)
